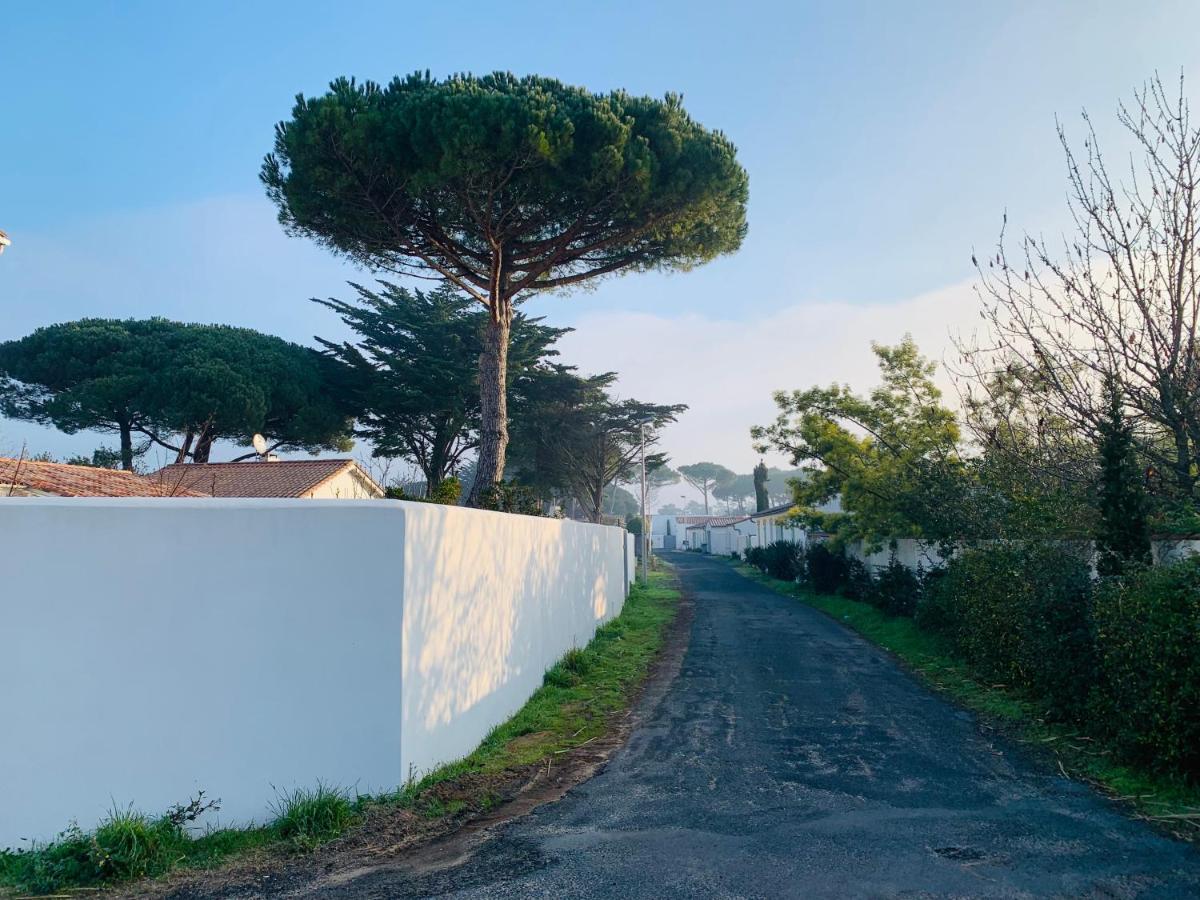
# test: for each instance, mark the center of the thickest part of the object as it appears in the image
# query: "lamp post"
(4, 241)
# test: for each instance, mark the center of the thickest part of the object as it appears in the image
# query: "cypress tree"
(1124, 534)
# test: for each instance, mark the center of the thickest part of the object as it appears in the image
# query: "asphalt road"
(790, 758)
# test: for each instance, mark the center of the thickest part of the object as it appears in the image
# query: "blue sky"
(883, 142)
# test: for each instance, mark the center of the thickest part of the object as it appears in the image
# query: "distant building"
(309, 479)
(775, 524)
(29, 478)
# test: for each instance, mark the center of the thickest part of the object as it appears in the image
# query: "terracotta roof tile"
(59, 480)
(284, 478)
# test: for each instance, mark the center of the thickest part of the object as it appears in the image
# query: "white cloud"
(726, 370)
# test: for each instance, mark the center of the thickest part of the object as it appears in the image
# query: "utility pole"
(645, 521)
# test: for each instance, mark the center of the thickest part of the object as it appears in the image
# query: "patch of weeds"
(125, 845)
(309, 817)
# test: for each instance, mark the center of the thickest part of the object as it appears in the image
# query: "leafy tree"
(705, 477)
(761, 499)
(413, 373)
(101, 458)
(546, 405)
(736, 491)
(574, 440)
(504, 186)
(90, 375)
(158, 379)
(878, 453)
(1124, 534)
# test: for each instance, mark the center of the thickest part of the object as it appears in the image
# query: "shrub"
(897, 589)
(784, 560)
(859, 584)
(755, 556)
(734, 555)
(1018, 613)
(510, 497)
(827, 569)
(1147, 694)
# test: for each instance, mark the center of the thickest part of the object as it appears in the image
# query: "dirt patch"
(391, 838)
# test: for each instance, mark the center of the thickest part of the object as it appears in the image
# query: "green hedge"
(1018, 614)
(1147, 695)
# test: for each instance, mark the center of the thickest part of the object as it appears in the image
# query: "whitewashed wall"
(153, 648)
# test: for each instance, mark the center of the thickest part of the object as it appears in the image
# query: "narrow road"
(790, 758)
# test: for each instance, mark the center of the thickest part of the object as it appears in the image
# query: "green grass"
(309, 817)
(573, 707)
(1171, 802)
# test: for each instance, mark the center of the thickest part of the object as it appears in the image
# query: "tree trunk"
(126, 447)
(203, 445)
(493, 402)
(185, 447)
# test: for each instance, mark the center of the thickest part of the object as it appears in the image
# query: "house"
(774, 524)
(31, 478)
(308, 479)
(716, 534)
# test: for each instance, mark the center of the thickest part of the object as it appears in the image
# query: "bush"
(784, 560)
(1147, 694)
(735, 556)
(1018, 614)
(897, 589)
(510, 497)
(827, 569)
(859, 584)
(756, 557)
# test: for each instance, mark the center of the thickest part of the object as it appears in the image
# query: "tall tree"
(736, 492)
(878, 453)
(573, 440)
(1124, 533)
(413, 372)
(1119, 301)
(706, 477)
(761, 498)
(89, 375)
(181, 386)
(505, 186)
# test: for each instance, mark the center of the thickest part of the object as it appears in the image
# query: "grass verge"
(578, 696)
(575, 705)
(1171, 803)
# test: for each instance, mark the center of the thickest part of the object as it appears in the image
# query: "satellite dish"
(260, 444)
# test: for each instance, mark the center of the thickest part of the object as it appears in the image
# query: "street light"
(4, 241)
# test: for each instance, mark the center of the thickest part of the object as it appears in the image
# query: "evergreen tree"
(505, 186)
(1124, 535)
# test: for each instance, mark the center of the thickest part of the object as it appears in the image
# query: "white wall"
(491, 601)
(153, 648)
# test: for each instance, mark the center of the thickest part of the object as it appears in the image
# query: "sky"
(884, 143)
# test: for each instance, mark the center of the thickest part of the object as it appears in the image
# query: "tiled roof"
(710, 521)
(284, 478)
(59, 480)
(715, 521)
(774, 510)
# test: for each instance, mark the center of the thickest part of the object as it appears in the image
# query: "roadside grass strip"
(1169, 802)
(576, 704)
